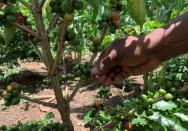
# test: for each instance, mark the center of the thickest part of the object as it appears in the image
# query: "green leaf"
(179, 76)
(137, 10)
(163, 105)
(107, 40)
(87, 118)
(9, 32)
(182, 116)
(104, 116)
(139, 121)
(47, 117)
(128, 105)
(89, 115)
(166, 121)
(183, 101)
(157, 126)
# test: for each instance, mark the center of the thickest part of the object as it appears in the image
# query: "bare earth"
(80, 104)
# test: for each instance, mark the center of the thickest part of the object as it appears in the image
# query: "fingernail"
(101, 66)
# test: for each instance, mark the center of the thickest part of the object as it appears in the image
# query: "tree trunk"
(63, 104)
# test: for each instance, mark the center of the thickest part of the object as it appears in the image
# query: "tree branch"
(39, 102)
(27, 5)
(35, 100)
(36, 49)
(45, 44)
(42, 4)
(90, 86)
(62, 105)
(77, 89)
(61, 41)
(27, 30)
(52, 23)
(100, 42)
(74, 92)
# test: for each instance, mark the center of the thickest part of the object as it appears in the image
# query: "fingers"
(96, 69)
(120, 77)
(115, 75)
(109, 61)
(105, 63)
(108, 81)
(102, 78)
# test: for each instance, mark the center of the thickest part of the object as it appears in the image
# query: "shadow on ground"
(32, 82)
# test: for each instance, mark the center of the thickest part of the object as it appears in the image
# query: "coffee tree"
(44, 18)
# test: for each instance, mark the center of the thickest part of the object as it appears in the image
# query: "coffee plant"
(45, 124)
(61, 32)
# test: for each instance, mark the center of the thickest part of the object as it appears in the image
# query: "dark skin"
(136, 55)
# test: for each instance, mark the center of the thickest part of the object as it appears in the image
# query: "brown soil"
(82, 101)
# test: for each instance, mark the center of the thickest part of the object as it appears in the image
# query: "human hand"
(124, 57)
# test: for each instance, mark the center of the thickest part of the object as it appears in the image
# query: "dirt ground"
(80, 104)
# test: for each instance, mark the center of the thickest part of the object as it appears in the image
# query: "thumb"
(96, 69)
(108, 61)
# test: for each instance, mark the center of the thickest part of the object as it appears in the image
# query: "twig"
(36, 49)
(74, 92)
(25, 4)
(42, 4)
(51, 99)
(93, 58)
(77, 89)
(26, 29)
(52, 23)
(43, 97)
(45, 44)
(90, 86)
(100, 42)
(61, 41)
(39, 102)
(35, 100)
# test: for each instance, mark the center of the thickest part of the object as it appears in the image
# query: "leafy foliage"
(16, 48)
(164, 106)
(44, 125)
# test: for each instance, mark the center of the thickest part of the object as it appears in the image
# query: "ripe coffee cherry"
(20, 20)
(115, 16)
(128, 126)
(97, 104)
(1, 5)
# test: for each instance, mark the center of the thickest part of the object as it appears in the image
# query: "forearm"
(170, 41)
